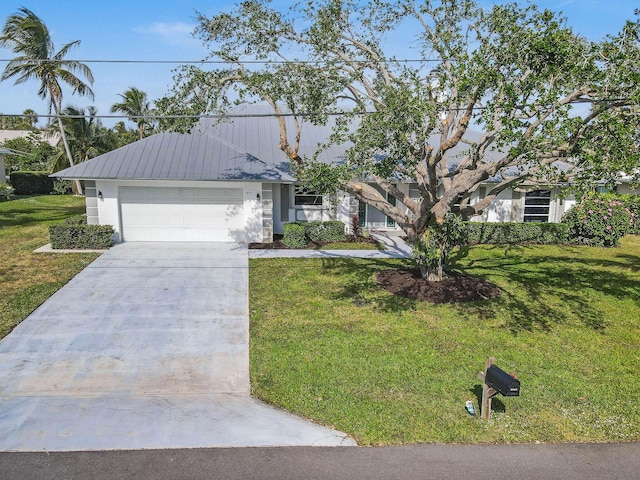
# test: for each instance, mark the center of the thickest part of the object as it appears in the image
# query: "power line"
(226, 62)
(186, 116)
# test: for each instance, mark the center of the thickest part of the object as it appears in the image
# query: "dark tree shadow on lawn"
(530, 281)
(361, 286)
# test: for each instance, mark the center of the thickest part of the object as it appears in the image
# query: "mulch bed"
(455, 288)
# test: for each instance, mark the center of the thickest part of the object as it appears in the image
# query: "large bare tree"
(537, 93)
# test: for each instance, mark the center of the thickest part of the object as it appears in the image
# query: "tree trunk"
(68, 150)
(431, 269)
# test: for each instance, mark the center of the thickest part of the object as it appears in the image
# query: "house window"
(536, 206)
(362, 213)
(605, 189)
(414, 191)
(390, 221)
(305, 196)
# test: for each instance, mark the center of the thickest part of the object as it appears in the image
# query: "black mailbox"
(502, 382)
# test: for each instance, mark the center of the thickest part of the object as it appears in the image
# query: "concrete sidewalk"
(395, 247)
(147, 347)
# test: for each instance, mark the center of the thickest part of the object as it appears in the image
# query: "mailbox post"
(495, 381)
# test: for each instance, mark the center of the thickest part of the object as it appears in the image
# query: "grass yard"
(27, 279)
(328, 344)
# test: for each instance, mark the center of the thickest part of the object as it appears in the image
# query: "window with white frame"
(536, 206)
(390, 222)
(304, 196)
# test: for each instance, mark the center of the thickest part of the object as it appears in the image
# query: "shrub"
(331, 231)
(30, 183)
(356, 228)
(633, 203)
(6, 192)
(599, 220)
(294, 235)
(514, 233)
(74, 233)
(62, 187)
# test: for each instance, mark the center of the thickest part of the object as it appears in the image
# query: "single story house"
(228, 181)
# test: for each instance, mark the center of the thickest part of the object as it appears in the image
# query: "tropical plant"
(137, 108)
(86, 136)
(28, 36)
(26, 121)
(502, 94)
(30, 117)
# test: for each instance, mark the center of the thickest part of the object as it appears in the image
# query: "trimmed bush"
(6, 192)
(633, 203)
(298, 235)
(599, 220)
(74, 233)
(294, 235)
(31, 183)
(331, 231)
(513, 233)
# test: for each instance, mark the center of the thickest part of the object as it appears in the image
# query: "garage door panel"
(181, 214)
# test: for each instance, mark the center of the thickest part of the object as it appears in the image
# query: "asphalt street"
(424, 462)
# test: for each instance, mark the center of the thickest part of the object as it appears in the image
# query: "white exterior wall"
(625, 189)
(109, 204)
(343, 210)
(500, 209)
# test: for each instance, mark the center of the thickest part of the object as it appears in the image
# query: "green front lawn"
(27, 279)
(328, 344)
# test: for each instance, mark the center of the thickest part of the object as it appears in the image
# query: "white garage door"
(181, 214)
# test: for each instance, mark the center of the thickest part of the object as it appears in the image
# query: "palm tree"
(27, 35)
(86, 136)
(136, 107)
(31, 117)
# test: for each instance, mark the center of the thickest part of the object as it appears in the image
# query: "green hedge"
(298, 235)
(294, 235)
(331, 231)
(74, 233)
(31, 183)
(512, 233)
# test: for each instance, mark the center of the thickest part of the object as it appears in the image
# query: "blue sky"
(161, 30)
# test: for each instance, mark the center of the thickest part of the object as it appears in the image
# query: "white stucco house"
(229, 181)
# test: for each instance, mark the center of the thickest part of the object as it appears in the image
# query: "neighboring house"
(52, 139)
(13, 134)
(229, 181)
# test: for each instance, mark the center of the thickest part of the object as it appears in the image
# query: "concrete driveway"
(145, 348)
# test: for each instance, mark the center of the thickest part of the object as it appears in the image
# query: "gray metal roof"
(244, 148)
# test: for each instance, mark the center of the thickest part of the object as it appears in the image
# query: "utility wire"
(252, 115)
(224, 62)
